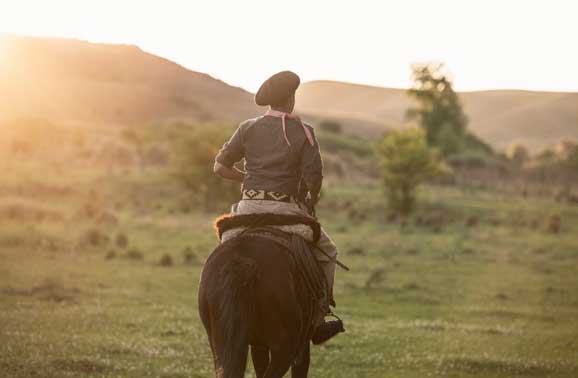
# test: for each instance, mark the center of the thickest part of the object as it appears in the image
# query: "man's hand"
(228, 173)
(310, 202)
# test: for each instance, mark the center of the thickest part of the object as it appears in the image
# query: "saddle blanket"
(230, 226)
(297, 229)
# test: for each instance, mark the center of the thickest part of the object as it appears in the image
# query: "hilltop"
(80, 82)
(501, 117)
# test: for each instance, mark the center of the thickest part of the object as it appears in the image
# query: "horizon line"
(333, 80)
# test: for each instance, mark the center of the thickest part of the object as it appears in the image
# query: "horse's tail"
(236, 307)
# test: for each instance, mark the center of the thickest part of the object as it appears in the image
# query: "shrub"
(342, 144)
(554, 223)
(406, 162)
(193, 162)
(134, 254)
(330, 126)
(166, 260)
(189, 257)
(376, 277)
(518, 154)
(356, 252)
(121, 240)
(95, 238)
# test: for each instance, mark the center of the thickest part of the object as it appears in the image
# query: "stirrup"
(327, 330)
(331, 313)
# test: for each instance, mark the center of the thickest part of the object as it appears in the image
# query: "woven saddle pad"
(229, 226)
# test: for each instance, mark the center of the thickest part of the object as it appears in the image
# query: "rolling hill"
(75, 81)
(501, 117)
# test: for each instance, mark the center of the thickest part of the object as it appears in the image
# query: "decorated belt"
(257, 194)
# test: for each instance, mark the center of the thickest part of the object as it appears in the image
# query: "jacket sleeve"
(232, 151)
(312, 167)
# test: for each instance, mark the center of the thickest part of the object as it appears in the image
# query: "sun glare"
(3, 48)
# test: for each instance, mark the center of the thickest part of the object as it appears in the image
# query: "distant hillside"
(77, 81)
(536, 119)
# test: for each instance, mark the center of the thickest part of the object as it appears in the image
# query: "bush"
(134, 254)
(518, 154)
(554, 223)
(121, 240)
(189, 257)
(330, 126)
(341, 144)
(406, 162)
(166, 260)
(95, 238)
(195, 151)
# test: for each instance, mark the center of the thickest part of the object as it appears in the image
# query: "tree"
(406, 162)
(448, 141)
(439, 111)
(571, 161)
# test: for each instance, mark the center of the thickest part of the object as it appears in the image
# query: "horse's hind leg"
(300, 367)
(279, 364)
(260, 357)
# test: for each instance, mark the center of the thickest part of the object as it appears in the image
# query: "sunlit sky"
(487, 44)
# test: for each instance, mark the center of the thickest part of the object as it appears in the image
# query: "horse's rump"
(250, 294)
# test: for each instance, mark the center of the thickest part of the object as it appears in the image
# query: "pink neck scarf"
(283, 115)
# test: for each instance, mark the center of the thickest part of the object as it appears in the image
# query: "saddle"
(297, 234)
(228, 226)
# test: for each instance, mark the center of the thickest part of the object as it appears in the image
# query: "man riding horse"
(283, 174)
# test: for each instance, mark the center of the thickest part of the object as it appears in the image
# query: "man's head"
(279, 91)
(286, 106)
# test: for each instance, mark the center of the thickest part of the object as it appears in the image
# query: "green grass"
(436, 298)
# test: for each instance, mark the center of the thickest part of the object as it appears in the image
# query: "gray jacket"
(270, 163)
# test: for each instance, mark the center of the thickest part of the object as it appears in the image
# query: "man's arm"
(228, 173)
(231, 152)
(312, 169)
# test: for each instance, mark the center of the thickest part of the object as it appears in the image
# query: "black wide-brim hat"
(278, 88)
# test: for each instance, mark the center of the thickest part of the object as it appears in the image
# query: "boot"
(327, 330)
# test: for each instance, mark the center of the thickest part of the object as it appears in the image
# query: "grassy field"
(474, 285)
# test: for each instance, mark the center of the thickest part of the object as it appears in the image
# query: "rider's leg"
(326, 254)
(324, 329)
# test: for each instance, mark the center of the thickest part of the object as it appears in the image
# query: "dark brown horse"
(251, 295)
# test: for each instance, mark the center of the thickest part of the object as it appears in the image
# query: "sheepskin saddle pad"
(229, 226)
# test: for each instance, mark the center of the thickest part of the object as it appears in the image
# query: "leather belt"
(258, 194)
